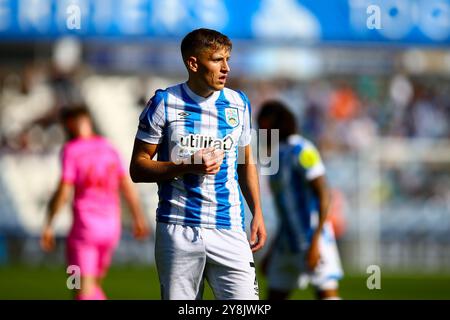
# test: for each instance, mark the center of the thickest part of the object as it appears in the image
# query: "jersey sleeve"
(68, 166)
(152, 120)
(246, 135)
(310, 161)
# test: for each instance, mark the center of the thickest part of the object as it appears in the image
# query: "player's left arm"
(249, 183)
(320, 188)
(140, 225)
(310, 161)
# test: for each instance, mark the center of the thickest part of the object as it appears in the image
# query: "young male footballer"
(198, 129)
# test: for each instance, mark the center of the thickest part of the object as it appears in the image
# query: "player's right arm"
(144, 169)
(59, 198)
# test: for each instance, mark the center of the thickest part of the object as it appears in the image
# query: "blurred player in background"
(304, 247)
(92, 168)
(198, 128)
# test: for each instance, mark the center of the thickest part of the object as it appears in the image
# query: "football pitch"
(141, 282)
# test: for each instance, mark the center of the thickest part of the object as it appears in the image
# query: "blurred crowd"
(31, 101)
(343, 113)
(340, 113)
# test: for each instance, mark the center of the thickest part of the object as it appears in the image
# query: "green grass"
(141, 282)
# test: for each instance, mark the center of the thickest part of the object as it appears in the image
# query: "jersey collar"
(197, 98)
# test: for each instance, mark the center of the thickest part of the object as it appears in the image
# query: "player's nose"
(225, 67)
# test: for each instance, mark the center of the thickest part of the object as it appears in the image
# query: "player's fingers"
(208, 153)
(217, 165)
(214, 154)
(219, 154)
(262, 240)
(253, 236)
(262, 236)
(213, 168)
(208, 150)
(219, 161)
(214, 161)
(47, 243)
(140, 231)
(140, 235)
(257, 246)
(216, 171)
(210, 163)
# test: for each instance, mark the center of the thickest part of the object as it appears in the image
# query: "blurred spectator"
(344, 103)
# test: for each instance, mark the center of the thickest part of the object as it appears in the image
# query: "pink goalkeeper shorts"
(93, 258)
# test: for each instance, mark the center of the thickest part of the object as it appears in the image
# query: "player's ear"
(192, 64)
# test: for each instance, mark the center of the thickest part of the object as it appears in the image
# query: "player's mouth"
(223, 79)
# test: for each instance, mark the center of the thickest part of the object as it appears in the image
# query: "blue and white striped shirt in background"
(296, 204)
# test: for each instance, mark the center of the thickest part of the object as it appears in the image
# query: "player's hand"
(313, 254)
(258, 233)
(141, 229)
(207, 161)
(47, 239)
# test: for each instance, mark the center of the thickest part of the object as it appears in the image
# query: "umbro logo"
(184, 114)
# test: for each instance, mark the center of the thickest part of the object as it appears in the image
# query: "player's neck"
(86, 135)
(199, 89)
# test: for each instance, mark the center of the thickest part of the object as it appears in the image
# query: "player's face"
(79, 126)
(213, 68)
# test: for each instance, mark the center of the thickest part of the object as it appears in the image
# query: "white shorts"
(186, 255)
(288, 271)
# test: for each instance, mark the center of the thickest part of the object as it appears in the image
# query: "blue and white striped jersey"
(296, 204)
(182, 122)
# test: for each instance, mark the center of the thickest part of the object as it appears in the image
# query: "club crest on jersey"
(232, 117)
